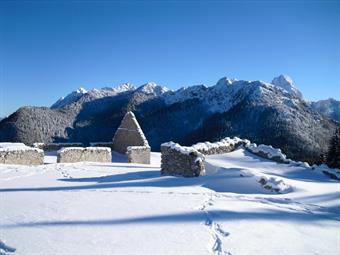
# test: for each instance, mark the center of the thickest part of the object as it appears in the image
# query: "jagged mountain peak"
(125, 87)
(118, 89)
(91, 94)
(285, 82)
(152, 88)
(70, 98)
(225, 81)
(81, 90)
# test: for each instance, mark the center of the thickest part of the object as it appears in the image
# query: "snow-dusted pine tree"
(333, 155)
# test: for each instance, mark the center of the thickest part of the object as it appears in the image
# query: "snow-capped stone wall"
(20, 154)
(267, 151)
(55, 146)
(78, 154)
(189, 161)
(180, 160)
(102, 144)
(139, 154)
(225, 145)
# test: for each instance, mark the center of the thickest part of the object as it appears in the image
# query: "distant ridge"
(329, 107)
(262, 112)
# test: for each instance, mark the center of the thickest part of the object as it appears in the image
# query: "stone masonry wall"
(180, 160)
(78, 154)
(139, 154)
(189, 161)
(224, 146)
(55, 146)
(21, 155)
(129, 133)
(102, 144)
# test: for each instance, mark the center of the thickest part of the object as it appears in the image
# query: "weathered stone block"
(139, 154)
(20, 154)
(78, 154)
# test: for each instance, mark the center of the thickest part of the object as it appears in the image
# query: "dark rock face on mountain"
(258, 111)
(329, 107)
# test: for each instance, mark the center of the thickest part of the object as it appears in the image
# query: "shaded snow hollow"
(104, 208)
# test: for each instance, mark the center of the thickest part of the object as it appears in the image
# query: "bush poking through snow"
(274, 185)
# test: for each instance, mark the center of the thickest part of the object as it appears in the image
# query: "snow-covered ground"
(245, 205)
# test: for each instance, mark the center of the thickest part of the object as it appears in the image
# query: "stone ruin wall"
(102, 144)
(189, 161)
(176, 161)
(268, 152)
(125, 138)
(139, 154)
(223, 146)
(79, 154)
(21, 156)
(129, 133)
(55, 146)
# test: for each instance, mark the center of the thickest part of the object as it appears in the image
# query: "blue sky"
(48, 49)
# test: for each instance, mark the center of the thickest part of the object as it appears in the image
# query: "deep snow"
(121, 208)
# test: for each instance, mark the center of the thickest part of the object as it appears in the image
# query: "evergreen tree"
(333, 155)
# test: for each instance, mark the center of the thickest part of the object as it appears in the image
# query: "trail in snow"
(215, 229)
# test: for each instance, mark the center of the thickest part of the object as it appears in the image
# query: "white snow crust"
(17, 147)
(62, 150)
(121, 208)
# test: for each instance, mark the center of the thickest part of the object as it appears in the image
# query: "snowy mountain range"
(270, 113)
(329, 107)
(219, 98)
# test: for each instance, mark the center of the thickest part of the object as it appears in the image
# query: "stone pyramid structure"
(129, 133)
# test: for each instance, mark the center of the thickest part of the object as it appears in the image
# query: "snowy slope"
(70, 98)
(120, 208)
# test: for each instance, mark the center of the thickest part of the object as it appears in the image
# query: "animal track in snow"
(215, 230)
(63, 172)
